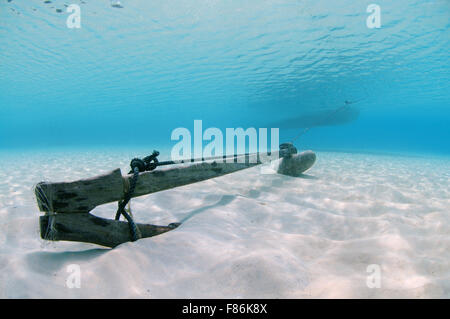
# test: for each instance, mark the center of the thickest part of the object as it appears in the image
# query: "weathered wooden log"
(84, 195)
(80, 196)
(87, 228)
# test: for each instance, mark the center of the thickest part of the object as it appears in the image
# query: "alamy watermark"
(374, 19)
(374, 279)
(74, 19)
(74, 279)
(235, 143)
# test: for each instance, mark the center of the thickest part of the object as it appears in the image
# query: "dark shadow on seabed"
(225, 200)
(276, 182)
(306, 176)
(45, 262)
(253, 193)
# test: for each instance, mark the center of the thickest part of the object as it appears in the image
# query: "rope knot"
(148, 163)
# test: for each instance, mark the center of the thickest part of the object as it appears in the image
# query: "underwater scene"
(281, 149)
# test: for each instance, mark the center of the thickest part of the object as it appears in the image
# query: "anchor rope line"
(235, 157)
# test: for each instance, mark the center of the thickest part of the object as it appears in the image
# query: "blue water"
(131, 75)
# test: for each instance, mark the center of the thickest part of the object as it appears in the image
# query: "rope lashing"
(138, 165)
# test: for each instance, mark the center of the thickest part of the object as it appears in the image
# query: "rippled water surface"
(132, 74)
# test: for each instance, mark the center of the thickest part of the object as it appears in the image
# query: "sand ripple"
(245, 235)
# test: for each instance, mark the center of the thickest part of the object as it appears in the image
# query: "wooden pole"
(84, 195)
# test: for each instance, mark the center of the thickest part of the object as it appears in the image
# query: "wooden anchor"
(67, 205)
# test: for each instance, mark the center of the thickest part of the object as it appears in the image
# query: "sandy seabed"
(244, 235)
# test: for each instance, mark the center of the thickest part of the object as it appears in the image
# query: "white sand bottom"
(245, 235)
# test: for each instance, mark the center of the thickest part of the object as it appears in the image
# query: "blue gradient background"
(130, 76)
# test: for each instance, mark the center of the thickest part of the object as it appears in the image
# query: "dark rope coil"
(148, 163)
(138, 165)
(135, 234)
